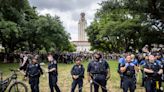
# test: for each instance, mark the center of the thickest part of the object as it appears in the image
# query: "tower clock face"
(82, 15)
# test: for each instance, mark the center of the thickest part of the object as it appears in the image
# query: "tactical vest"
(98, 67)
(34, 70)
(51, 65)
(154, 66)
(130, 72)
(77, 70)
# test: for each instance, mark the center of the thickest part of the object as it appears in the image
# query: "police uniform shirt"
(142, 62)
(156, 66)
(130, 70)
(78, 70)
(122, 61)
(33, 70)
(98, 67)
(135, 61)
(53, 64)
(162, 62)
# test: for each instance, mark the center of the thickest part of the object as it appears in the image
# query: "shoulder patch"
(37, 65)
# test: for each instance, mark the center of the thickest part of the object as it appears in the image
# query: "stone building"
(82, 45)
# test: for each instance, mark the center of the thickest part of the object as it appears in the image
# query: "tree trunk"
(6, 56)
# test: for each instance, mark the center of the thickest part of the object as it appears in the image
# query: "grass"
(65, 80)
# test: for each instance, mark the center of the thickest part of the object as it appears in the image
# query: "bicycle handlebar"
(13, 70)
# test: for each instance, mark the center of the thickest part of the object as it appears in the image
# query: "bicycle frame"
(5, 83)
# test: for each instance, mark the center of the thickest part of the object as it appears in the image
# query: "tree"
(21, 28)
(12, 18)
(10, 34)
(49, 33)
(120, 24)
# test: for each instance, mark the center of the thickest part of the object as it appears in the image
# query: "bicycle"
(16, 86)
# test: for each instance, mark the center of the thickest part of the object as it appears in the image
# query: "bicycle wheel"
(18, 87)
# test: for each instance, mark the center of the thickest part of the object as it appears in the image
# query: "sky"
(68, 11)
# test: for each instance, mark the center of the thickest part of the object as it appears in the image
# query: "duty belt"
(149, 78)
(97, 74)
(129, 76)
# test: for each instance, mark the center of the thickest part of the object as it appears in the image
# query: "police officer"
(121, 62)
(158, 57)
(153, 70)
(159, 61)
(135, 62)
(33, 73)
(77, 73)
(128, 69)
(141, 65)
(98, 71)
(162, 61)
(53, 73)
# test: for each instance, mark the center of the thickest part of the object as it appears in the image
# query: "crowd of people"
(149, 63)
(67, 58)
(98, 72)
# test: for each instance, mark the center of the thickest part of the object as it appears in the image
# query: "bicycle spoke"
(17, 88)
(14, 89)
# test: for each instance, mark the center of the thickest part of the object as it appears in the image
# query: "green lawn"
(64, 78)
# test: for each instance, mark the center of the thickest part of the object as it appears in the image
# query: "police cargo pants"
(99, 80)
(78, 82)
(150, 85)
(34, 84)
(129, 83)
(53, 83)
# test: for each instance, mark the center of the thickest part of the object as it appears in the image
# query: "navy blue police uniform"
(33, 72)
(162, 62)
(142, 63)
(129, 81)
(152, 78)
(159, 61)
(53, 76)
(162, 78)
(98, 71)
(77, 70)
(121, 61)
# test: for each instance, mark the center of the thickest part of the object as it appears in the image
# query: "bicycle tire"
(18, 83)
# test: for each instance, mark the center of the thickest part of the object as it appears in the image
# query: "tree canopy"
(21, 28)
(121, 24)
